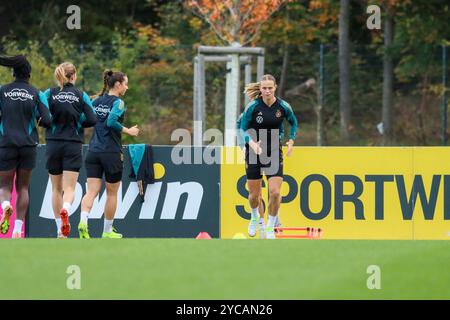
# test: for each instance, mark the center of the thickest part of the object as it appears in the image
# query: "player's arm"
(290, 117)
(240, 132)
(0, 109)
(113, 119)
(281, 131)
(245, 124)
(45, 118)
(88, 118)
(46, 94)
(246, 119)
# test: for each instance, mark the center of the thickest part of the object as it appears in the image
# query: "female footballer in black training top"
(261, 126)
(21, 105)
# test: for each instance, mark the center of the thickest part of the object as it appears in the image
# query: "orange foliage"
(235, 21)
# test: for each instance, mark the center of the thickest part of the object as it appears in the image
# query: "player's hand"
(133, 131)
(290, 145)
(256, 146)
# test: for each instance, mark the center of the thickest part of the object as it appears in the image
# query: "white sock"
(5, 204)
(67, 206)
(18, 226)
(277, 220)
(261, 221)
(107, 226)
(84, 217)
(255, 213)
(58, 224)
(271, 221)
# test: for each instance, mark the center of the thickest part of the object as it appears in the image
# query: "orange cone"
(203, 235)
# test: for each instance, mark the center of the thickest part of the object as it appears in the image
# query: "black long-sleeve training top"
(20, 105)
(71, 110)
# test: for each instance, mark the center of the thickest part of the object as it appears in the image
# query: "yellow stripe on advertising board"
(350, 192)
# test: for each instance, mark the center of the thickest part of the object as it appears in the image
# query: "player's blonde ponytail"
(252, 90)
(63, 73)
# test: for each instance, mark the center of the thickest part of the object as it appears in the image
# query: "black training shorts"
(17, 158)
(108, 163)
(255, 167)
(63, 156)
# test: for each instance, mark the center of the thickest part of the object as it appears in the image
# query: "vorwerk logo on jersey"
(66, 97)
(102, 110)
(19, 94)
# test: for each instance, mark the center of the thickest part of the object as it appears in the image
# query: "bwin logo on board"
(66, 97)
(19, 94)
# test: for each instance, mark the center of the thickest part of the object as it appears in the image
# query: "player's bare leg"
(23, 199)
(110, 210)
(274, 205)
(6, 184)
(254, 198)
(93, 189)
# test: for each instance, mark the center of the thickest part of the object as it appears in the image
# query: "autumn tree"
(235, 21)
(294, 33)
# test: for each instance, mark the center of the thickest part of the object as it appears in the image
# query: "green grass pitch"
(223, 269)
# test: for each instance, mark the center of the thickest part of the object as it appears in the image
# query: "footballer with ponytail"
(109, 79)
(65, 73)
(105, 156)
(72, 111)
(260, 127)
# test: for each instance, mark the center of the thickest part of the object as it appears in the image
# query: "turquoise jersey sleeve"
(88, 117)
(45, 119)
(246, 119)
(117, 111)
(46, 94)
(282, 131)
(1, 123)
(1, 115)
(290, 117)
(83, 115)
(240, 132)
